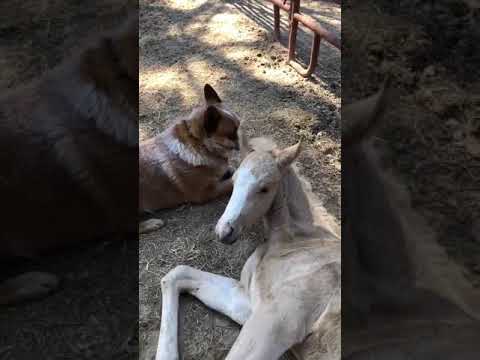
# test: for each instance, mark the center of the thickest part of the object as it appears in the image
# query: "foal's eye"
(263, 190)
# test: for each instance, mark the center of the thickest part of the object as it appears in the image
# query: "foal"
(290, 286)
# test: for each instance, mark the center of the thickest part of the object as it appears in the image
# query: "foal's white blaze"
(245, 183)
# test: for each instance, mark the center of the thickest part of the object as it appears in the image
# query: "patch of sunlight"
(226, 28)
(204, 72)
(275, 76)
(188, 82)
(166, 80)
(158, 79)
(236, 54)
(185, 4)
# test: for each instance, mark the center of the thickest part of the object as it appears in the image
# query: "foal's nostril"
(228, 235)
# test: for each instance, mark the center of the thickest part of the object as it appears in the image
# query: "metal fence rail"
(295, 17)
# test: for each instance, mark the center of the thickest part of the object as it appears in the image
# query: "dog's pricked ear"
(361, 118)
(211, 119)
(211, 96)
(287, 156)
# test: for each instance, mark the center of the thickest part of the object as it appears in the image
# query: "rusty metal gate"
(295, 17)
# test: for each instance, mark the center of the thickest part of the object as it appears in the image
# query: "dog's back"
(156, 183)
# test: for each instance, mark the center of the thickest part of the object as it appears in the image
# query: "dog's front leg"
(150, 225)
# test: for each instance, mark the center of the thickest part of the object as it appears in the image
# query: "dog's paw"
(28, 286)
(150, 225)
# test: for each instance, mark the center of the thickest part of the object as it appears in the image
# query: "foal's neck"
(290, 213)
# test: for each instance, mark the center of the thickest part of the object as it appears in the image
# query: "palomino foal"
(288, 296)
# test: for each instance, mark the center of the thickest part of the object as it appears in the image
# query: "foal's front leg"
(220, 293)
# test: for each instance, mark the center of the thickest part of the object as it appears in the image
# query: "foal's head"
(256, 183)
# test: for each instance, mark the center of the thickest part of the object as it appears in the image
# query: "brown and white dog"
(188, 162)
(69, 155)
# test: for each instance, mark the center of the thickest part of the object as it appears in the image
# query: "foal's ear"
(211, 96)
(245, 147)
(288, 155)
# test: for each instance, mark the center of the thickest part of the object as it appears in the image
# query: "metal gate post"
(277, 5)
(295, 17)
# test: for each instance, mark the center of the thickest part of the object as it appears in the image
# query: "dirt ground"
(228, 44)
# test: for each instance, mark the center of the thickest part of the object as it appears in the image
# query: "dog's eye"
(263, 190)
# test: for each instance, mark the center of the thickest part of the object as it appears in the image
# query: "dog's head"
(215, 125)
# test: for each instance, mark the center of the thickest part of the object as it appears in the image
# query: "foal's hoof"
(28, 286)
(150, 225)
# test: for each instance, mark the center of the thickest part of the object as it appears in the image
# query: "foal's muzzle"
(226, 234)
